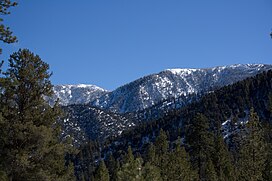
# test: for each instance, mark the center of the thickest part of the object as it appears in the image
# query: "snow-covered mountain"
(147, 98)
(172, 83)
(152, 89)
(76, 94)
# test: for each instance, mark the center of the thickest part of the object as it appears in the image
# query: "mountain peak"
(182, 71)
(151, 89)
(89, 86)
(172, 83)
(76, 93)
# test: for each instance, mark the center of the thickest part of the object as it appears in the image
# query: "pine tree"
(161, 150)
(131, 171)
(201, 144)
(267, 174)
(222, 159)
(161, 143)
(151, 154)
(252, 156)
(113, 167)
(151, 172)
(129, 157)
(6, 34)
(210, 174)
(179, 166)
(132, 168)
(234, 138)
(31, 149)
(3, 141)
(102, 173)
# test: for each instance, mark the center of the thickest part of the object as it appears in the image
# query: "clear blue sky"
(112, 42)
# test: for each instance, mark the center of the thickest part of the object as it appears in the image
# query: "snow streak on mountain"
(172, 83)
(98, 114)
(76, 94)
(84, 122)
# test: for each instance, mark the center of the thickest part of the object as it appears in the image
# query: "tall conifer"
(252, 155)
(102, 173)
(201, 145)
(31, 150)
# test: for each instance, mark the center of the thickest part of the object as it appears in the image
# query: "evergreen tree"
(179, 166)
(201, 145)
(129, 158)
(210, 174)
(161, 143)
(234, 138)
(131, 171)
(6, 34)
(161, 150)
(3, 141)
(252, 156)
(30, 149)
(113, 167)
(102, 173)
(3, 176)
(151, 172)
(151, 154)
(267, 174)
(222, 160)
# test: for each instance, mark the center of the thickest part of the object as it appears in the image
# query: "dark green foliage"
(201, 145)
(30, 148)
(162, 155)
(151, 172)
(86, 160)
(199, 124)
(129, 158)
(135, 169)
(267, 174)
(113, 167)
(222, 158)
(209, 170)
(252, 154)
(151, 154)
(179, 166)
(102, 173)
(131, 169)
(161, 144)
(6, 34)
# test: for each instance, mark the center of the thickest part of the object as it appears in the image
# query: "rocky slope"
(173, 83)
(147, 98)
(76, 94)
(84, 122)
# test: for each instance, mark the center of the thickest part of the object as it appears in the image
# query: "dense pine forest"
(223, 135)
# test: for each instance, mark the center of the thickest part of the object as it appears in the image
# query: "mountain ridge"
(91, 119)
(69, 94)
(148, 90)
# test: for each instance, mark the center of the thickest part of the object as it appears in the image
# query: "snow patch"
(182, 71)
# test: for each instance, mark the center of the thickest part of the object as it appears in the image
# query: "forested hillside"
(180, 124)
(195, 133)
